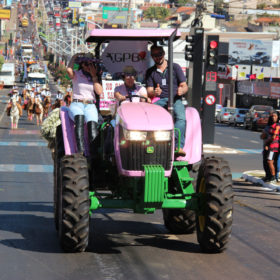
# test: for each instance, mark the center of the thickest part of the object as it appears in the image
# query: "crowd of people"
(38, 100)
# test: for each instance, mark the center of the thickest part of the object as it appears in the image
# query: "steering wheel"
(132, 96)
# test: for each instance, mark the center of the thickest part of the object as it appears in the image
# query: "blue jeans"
(88, 110)
(179, 116)
(277, 168)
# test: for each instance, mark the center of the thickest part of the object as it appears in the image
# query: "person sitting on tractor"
(129, 88)
(157, 86)
(85, 85)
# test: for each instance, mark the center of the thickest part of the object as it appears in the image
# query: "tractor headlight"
(162, 135)
(134, 135)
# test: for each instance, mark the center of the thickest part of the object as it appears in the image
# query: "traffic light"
(212, 52)
(189, 48)
(194, 46)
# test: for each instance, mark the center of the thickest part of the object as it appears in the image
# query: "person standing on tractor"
(157, 87)
(85, 85)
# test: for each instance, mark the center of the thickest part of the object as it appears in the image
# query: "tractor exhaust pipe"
(170, 73)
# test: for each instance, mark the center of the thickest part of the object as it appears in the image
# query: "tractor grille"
(134, 153)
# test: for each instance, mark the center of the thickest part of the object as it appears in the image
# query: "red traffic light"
(213, 44)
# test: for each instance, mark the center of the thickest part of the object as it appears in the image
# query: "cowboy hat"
(129, 70)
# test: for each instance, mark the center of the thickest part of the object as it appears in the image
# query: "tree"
(158, 13)
(2, 60)
(261, 6)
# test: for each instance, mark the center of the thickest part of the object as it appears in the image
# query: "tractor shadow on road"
(29, 226)
(29, 232)
(109, 236)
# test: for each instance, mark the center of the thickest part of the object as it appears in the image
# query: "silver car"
(237, 117)
(224, 114)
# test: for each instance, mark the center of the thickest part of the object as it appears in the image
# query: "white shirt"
(28, 87)
(59, 96)
(48, 93)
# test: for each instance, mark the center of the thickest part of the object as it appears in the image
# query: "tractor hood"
(144, 116)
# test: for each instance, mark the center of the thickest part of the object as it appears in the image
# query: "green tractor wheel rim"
(201, 219)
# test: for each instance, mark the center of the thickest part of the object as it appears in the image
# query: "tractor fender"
(68, 132)
(193, 137)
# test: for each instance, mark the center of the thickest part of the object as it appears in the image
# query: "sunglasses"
(160, 54)
(129, 75)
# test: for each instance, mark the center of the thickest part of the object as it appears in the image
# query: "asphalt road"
(123, 245)
(247, 143)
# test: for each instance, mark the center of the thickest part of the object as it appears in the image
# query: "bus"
(24, 22)
(7, 74)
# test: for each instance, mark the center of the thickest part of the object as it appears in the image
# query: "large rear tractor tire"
(74, 204)
(214, 221)
(58, 154)
(182, 221)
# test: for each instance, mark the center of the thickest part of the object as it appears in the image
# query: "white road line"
(255, 142)
(235, 137)
(219, 133)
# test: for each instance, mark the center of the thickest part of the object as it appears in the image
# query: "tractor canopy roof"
(101, 35)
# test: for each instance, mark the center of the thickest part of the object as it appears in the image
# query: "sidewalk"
(255, 176)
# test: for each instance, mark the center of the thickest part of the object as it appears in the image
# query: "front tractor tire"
(74, 204)
(182, 221)
(214, 220)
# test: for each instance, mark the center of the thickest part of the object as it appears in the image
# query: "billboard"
(275, 54)
(250, 52)
(74, 4)
(5, 14)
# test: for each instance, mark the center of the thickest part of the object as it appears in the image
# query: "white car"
(224, 114)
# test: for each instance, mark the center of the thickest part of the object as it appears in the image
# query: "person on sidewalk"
(270, 135)
(85, 86)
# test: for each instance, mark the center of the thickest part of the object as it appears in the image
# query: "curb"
(248, 176)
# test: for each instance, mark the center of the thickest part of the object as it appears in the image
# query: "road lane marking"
(255, 142)
(26, 168)
(23, 132)
(236, 175)
(235, 137)
(251, 151)
(23, 143)
(219, 133)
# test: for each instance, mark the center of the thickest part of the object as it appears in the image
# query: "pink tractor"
(134, 167)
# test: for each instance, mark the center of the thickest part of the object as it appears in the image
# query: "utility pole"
(128, 19)
(194, 53)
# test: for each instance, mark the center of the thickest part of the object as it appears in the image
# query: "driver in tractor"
(157, 87)
(85, 85)
(129, 88)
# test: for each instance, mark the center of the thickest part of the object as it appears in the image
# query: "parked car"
(224, 114)
(261, 57)
(257, 117)
(237, 117)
